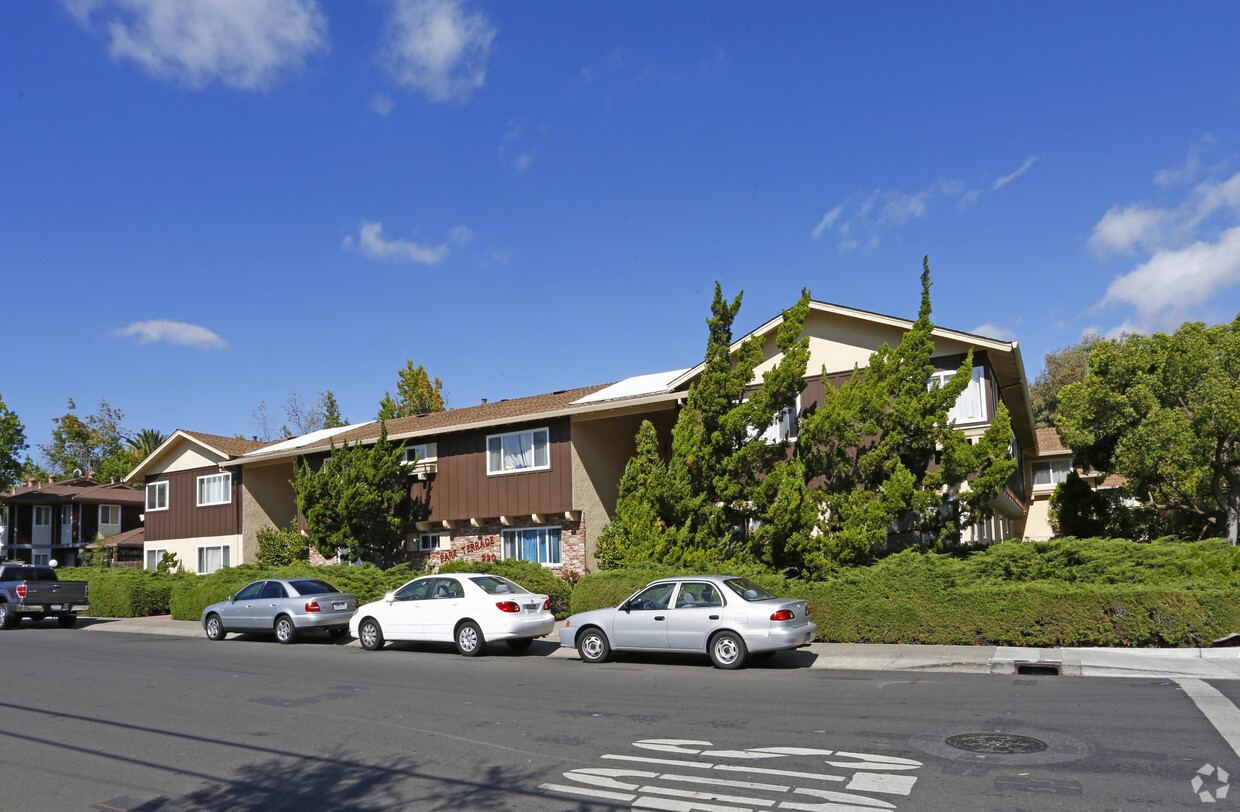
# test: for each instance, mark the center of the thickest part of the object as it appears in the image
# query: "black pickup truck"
(35, 592)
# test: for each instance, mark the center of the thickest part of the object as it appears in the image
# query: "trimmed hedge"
(124, 592)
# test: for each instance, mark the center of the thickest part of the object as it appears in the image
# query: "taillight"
(313, 606)
(21, 590)
(547, 604)
(508, 606)
(782, 614)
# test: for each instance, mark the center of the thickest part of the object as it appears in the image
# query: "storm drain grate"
(996, 743)
(1041, 668)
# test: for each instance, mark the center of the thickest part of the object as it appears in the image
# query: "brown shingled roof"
(1049, 442)
(502, 410)
(79, 489)
(230, 446)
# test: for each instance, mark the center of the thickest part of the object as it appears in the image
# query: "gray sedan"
(283, 606)
(726, 617)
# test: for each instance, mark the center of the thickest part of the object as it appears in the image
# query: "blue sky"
(206, 205)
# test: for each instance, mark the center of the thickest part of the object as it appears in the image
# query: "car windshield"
(312, 586)
(749, 590)
(495, 585)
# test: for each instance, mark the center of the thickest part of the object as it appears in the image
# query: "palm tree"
(146, 441)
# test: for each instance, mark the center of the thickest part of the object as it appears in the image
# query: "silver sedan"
(284, 606)
(726, 617)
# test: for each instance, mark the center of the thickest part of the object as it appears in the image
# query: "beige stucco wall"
(187, 549)
(267, 500)
(1038, 524)
(183, 457)
(601, 449)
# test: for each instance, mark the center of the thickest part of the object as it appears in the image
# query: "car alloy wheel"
(215, 629)
(727, 650)
(286, 632)
(370, 634)
(469, 639)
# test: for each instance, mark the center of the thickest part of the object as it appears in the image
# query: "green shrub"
(279, 547)
(124, 592)
(528, 574)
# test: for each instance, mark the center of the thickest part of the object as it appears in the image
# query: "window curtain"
(518, 451)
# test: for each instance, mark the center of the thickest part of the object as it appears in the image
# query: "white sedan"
(464, 608)
(731, 619)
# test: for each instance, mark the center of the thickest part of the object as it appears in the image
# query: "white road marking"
(1218, 710)
(881, 782)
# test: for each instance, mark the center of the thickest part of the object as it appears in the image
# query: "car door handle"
(659, 617)
(714, 617)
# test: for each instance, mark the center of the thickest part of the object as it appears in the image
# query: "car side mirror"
(232, 598)
(390, 597)
(625, 607)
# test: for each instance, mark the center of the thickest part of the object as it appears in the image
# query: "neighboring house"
(538, 477)
(55, 520)
(193, 501)
(1048, 468)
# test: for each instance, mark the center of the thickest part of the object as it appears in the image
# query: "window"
(447, 588)
(415, 590)
(153, 556)
(428, 542)
(42, 559)
(109, 520)
(785, 426)
(424, 452)
(654, 597)
(156, 496)
(518, 451)
(42, 516)
(211, 559)
(499, 585)
(214, 489)
(748, 589)
(970, 406)
(273, 590)
(313, 586)
(696, 596)
(538, 544)
(250, 592)
(1049, 473)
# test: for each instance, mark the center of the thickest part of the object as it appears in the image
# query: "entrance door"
(66, 524)
(41, 532)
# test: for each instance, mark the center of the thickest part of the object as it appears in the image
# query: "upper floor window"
(970, 406)
(1048, 473)
(423, 452)
(518, 451)
(214, 489)
(784, 428)
(42, 516)
(109, 520)
(156, 496)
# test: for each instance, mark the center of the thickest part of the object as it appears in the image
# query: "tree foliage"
(360, 499)
(877, 466)
(1060, 368)
(301, 416)
(416, 393)
(12, 444)
(93, 444)
(146, 441)
(1163, 411)
(279, 547)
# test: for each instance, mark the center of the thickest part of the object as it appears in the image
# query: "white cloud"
(381, 104)
(523, 162)
(245, 44)
(437, 48)
(826, 222)
(1006, 179)
(173, 332)
(370, 242)
(994, 331)
(1189, 170)
(866, 215)
(461, 235)
(1121, 230)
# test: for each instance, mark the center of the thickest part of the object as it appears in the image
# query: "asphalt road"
(148, 722)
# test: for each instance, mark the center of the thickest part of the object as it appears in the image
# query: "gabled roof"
(78, 489)
(1049, 442)
(226, 447)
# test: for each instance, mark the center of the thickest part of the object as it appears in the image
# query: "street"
(150, 722)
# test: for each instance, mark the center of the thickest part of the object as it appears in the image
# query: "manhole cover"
(996, 743)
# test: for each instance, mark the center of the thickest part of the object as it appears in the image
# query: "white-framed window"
(42, 516)
(423, 542)
(423, 452)
(785, 426)
(109, 520)
(528, 450)
(1049, 473)
(213, 558)
(214, 489)
(66, 524)
(42, 559)
(538, 544)
(156, 496)
(342, 555)
(153, 556)
(970, 406)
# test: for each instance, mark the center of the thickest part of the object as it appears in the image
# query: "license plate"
(531, 607)
(55, 607)
(340, 606)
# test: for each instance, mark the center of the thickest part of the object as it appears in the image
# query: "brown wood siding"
(183, 518)
(461, 488)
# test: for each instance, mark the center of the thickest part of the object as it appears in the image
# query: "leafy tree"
(1076, 509)
(888, 468)
(331, 410)
(95, 443)
(12, 444)
(1163, 411)
(360, 499)
(146, 441)
(416, 393)
(1060, 368)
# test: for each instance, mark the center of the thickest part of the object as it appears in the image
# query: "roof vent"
(484, 401)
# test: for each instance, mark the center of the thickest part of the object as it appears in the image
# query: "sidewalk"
(1180, 663)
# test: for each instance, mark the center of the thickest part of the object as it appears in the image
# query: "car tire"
(469, 639)
(520, 643)
(338, 633)
(285, 631)
(370, 634)
(727, 650)
(215, 628)
(8, 618)
(67, 621)
(593, 647)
